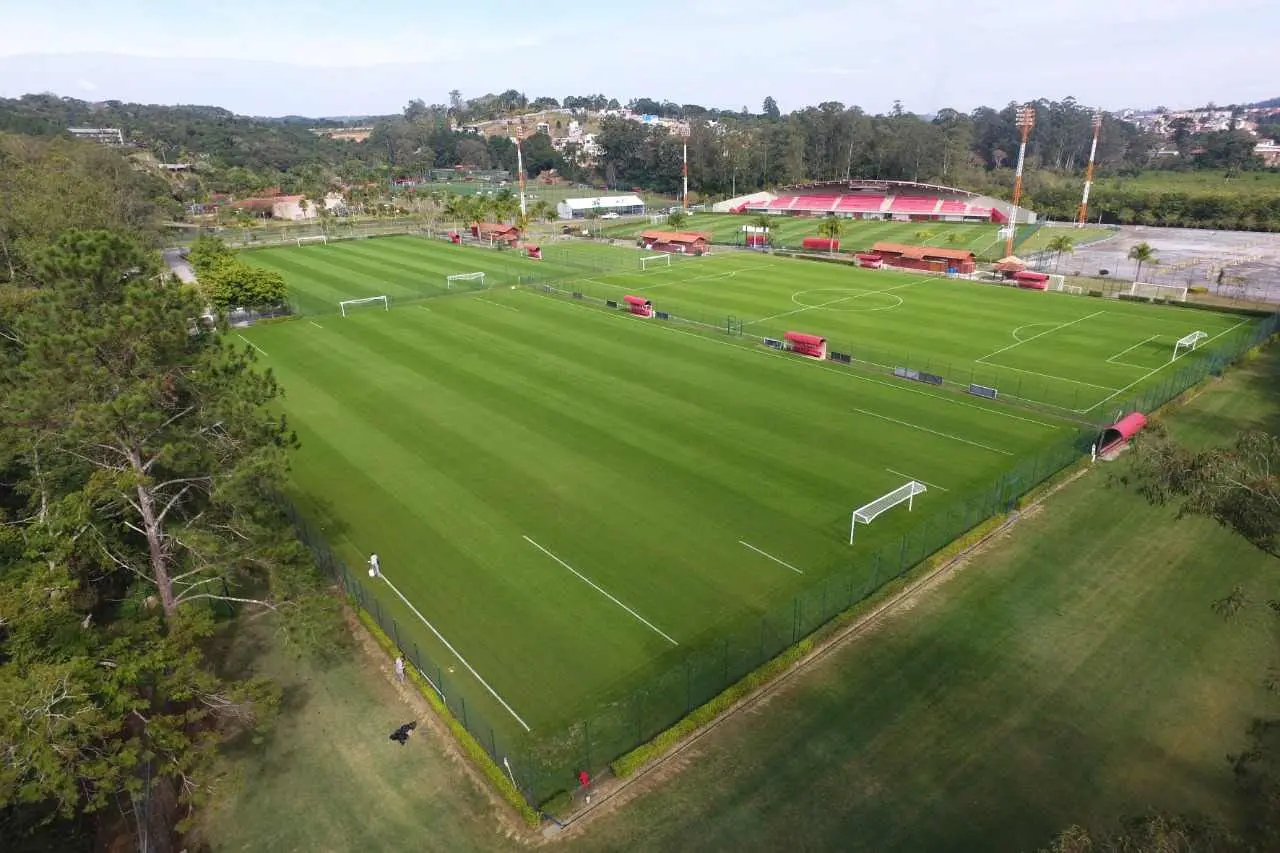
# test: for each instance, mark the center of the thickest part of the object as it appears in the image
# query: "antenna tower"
(684, 168)
(519, 162)
(1088, 175)
(1026, 121)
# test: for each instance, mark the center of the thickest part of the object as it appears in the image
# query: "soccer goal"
(319, 238)
(349, 304)
(662, 260)
(867, 514)
(465, 279)
(1158, 291)
(1188, 343)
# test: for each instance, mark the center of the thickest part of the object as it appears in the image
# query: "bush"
(469, 744)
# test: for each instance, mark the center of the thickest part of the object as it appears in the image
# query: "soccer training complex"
(594, 513)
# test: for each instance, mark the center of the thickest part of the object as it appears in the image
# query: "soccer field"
(573, 501)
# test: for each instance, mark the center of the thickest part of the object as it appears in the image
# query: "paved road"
(178, 265)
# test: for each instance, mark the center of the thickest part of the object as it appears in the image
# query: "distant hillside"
(1266, 105)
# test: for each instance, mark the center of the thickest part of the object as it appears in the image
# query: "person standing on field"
(400, 668)
(374, 568)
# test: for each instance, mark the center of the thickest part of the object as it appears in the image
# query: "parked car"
(610, 215)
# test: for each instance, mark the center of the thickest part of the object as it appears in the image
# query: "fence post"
(586, 737)
(724, 680)
(462, 701)
(395, 632)
(688, 685)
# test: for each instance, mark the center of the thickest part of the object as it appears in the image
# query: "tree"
(1235, 486)
(924, 235)
(831, 227)
(770, 108)
(676, 219)
(234, 284)
(1141, 254)
(138, 456)
(1059, 244)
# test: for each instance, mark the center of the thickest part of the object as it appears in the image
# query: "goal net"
(1057, 282)
(468, 280)
(348, 305)
(1158, 291)
(319, 238)
(1188, 343)
(662, 260)
(867, 514)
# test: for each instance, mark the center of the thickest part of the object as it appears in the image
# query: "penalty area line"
(767, 555)
(314, 323)
(460, 658)
(593, 585)
(496, 304)
(251, 343)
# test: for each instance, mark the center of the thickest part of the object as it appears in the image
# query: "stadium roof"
(608, 202)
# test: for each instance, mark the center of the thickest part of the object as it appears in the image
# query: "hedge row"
(470, 745)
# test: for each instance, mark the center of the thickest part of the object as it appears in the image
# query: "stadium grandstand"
(902, 201)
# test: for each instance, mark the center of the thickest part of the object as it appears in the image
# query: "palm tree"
(1059, 244)
(953, 238)
(831, 227)
(761, 221)
(1143, 254)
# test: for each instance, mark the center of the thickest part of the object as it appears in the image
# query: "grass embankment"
(1074, 673)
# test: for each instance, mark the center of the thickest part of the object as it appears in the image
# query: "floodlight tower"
(684, 168)
(1026, 121)
(517, 139)
(1088, 175)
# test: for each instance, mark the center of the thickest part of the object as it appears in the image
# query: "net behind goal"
(867, 513)
(662, 260)
(319, 238)
(465, 281)
(348, 305)
(1158, 291)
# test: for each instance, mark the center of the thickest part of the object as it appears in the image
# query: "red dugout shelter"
(812, 346)
(1121, 432)
(820, 244)
(1032, 280)
(639, 306)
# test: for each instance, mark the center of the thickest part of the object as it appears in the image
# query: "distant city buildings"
(1165, 123)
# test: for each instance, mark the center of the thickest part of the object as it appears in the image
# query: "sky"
(343, 57)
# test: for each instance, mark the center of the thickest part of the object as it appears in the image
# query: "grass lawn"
(1038, 241)
(1073, 674)
(572, 502)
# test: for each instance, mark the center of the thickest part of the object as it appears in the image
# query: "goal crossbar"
(1189, 343)
(868, 512)
(1160, 291)
(464, 276)
(351, 303)
(662, 259)
(319, 238)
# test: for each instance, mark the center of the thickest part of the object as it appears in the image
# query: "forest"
(730, 152)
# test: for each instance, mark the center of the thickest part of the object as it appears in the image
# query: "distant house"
(102, 135)
(277, 207)
(1269, 151)
(495, 232)
(578, 208)
(675, 242)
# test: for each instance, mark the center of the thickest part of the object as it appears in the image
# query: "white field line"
(498, 304)
(1040, 335)
(1028, 326)
(910, 425)
(592, 584)
(771, 557)
(251, 343)
(1154, 372)
(810, 364)
(314, 323)
(424, 308)
(1113, 358)
(918, 480)
(834, 301)
(460, 658)
(1048, 375)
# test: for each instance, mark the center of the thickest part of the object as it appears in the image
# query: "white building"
(100, 135)
(578, 208)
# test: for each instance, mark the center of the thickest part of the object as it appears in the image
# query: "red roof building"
(928, 258)
(676, 242)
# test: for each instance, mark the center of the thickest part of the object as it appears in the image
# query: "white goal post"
(867, 514)
(353, 303)
(319, 238)
(1188, 343)
(1158, 291)
(449, 281)
(663, 259)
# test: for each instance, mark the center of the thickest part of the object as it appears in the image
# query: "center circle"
(849, 300)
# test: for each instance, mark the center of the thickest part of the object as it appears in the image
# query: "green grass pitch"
(573, 498)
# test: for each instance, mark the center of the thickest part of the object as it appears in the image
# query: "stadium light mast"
(519, 164)
(1088, 175)
(1026, 121)
(684, 167)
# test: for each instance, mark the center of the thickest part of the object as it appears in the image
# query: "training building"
(495, 232)
(927, 258)
(580, 208)
(675, 242)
